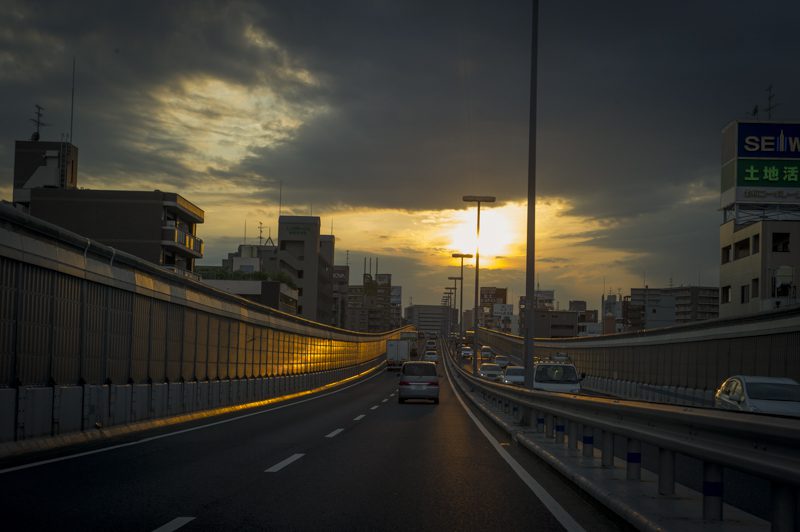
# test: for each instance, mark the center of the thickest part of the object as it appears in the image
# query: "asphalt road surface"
(354, 459)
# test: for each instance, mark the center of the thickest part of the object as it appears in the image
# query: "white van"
(556, 376)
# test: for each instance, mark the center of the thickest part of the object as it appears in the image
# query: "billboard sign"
(761, 163)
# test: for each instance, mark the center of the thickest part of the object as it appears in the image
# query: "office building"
(433, 320)
(159, 227)
(759, 238)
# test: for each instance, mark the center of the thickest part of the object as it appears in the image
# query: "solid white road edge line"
(359, 418)
(558, 511)
(177, 432)
(280, 465)
(334, 433)
(175, 524)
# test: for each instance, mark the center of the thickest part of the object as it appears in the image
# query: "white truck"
(397, 352)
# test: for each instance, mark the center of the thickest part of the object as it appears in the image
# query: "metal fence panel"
(140, 340)
(174, 341)
(34, 327)
(94, 333)
(156, 367)
(118, 356)
(224, 347)
(8, 320)
(66, 367)
(201, 358)
(213, 347)
(189, 344)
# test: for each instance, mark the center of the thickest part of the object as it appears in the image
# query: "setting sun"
(500, 231)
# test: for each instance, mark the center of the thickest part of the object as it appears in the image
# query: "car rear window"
(768, 391)
(515, 371)
(556, 373)
(419, 370)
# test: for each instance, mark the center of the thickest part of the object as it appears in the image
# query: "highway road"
(350, 460)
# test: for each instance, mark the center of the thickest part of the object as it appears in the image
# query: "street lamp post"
(461, 256)
(476, 347)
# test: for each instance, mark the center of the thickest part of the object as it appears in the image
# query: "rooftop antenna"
(280, 198)
(72, 102)
(347, 258)
(245, 230)
(770, 105)
(754, 113)
(38, 122)
(269, 241)
(260, 233)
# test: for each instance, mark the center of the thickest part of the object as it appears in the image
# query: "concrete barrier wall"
(31, 412)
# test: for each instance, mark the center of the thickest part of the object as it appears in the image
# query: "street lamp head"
(482, 199)
(462, 255)
(454, 278)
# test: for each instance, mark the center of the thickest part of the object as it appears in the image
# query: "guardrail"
(763, 446)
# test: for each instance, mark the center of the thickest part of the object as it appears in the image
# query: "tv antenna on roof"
(260, 233)
(770, 105)
(38, 122)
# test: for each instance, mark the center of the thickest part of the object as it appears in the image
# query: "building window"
(299, 274)
(780, 242)
(741, 249)
(754, 288)
(725, 294)
(299, 292)
(745, 298)
(726, 255)
(756, 244)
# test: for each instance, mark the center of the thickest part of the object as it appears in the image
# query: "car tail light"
(404, 383)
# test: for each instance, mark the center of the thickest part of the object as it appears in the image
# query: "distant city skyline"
(380, 117)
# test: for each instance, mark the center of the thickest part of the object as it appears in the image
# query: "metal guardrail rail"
(767, 447)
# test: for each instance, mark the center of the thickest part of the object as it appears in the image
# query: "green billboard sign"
(768, 173)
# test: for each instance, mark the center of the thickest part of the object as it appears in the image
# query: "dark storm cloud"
(422, 102)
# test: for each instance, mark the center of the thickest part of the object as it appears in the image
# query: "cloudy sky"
(378, 116)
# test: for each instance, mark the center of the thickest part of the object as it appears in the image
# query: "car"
(418, 380)
(486, 352)
(466, 352)
(491, 371)
(430, 343)
(556, 376)
(430, 356)
(763, 395)
(502, 361)
(514, 375)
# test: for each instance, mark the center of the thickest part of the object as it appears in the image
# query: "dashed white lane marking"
(359, 418)
(391, 395)
(280, 465)
(384, 400)
(334, 433)
(373, 407)
(175, 524)
(182, 431)
(558, 511)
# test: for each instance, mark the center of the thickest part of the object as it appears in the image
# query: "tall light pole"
(476, 347)
(530, 259)
(461, 256)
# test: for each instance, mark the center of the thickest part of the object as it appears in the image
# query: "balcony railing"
(183, 239)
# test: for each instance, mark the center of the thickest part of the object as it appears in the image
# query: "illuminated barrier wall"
(92, 336)
(677, 361)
